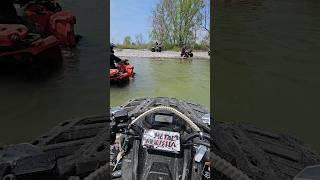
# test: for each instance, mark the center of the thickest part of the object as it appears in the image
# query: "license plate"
(161, 140)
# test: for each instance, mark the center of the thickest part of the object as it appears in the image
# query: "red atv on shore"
(123, 73)
(50, 19)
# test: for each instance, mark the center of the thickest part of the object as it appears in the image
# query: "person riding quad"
(113, 58)
(183, 51)
(186, 53)
(157, 48)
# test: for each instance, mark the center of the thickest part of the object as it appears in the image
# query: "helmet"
(112, 45)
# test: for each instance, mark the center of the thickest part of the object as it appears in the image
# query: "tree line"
(177, 23)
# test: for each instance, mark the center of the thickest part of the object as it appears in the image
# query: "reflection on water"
(29, 107)
(183, 79)
(267, 65)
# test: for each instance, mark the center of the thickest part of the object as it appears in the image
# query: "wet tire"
(44, 63)
(261, 154)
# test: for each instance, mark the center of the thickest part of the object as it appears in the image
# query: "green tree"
(139, 39)
(175, 22)
(127, 41)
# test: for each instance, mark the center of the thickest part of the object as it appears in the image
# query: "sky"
(130, 17)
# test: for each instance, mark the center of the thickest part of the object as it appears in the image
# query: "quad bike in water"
(186, 53)
(18, 46)
(123, 73)
(50, 19)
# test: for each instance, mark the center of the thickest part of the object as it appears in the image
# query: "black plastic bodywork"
(146, 164)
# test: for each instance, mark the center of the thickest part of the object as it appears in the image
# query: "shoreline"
(145, 53)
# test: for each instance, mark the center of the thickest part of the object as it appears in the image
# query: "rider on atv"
(185, 52)
(113, 58)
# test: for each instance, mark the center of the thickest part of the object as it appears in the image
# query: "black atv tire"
(261, 154)
(153, 50)
(191, 54)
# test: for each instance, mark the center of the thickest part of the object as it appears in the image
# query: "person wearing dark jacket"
(113, 58)
(8, 13)
(183, 51)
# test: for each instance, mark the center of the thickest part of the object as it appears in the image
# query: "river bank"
(145, 53)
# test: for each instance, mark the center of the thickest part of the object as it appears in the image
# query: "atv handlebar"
(195, 135)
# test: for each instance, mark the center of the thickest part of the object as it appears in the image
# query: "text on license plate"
(161, 140)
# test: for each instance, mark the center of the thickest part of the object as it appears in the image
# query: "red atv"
(50, 19)
(123, 73)
(27, 48)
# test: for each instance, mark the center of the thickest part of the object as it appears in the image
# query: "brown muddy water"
(267, 65)
(29, 107)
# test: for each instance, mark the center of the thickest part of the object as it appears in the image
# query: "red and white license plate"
(161, 140)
